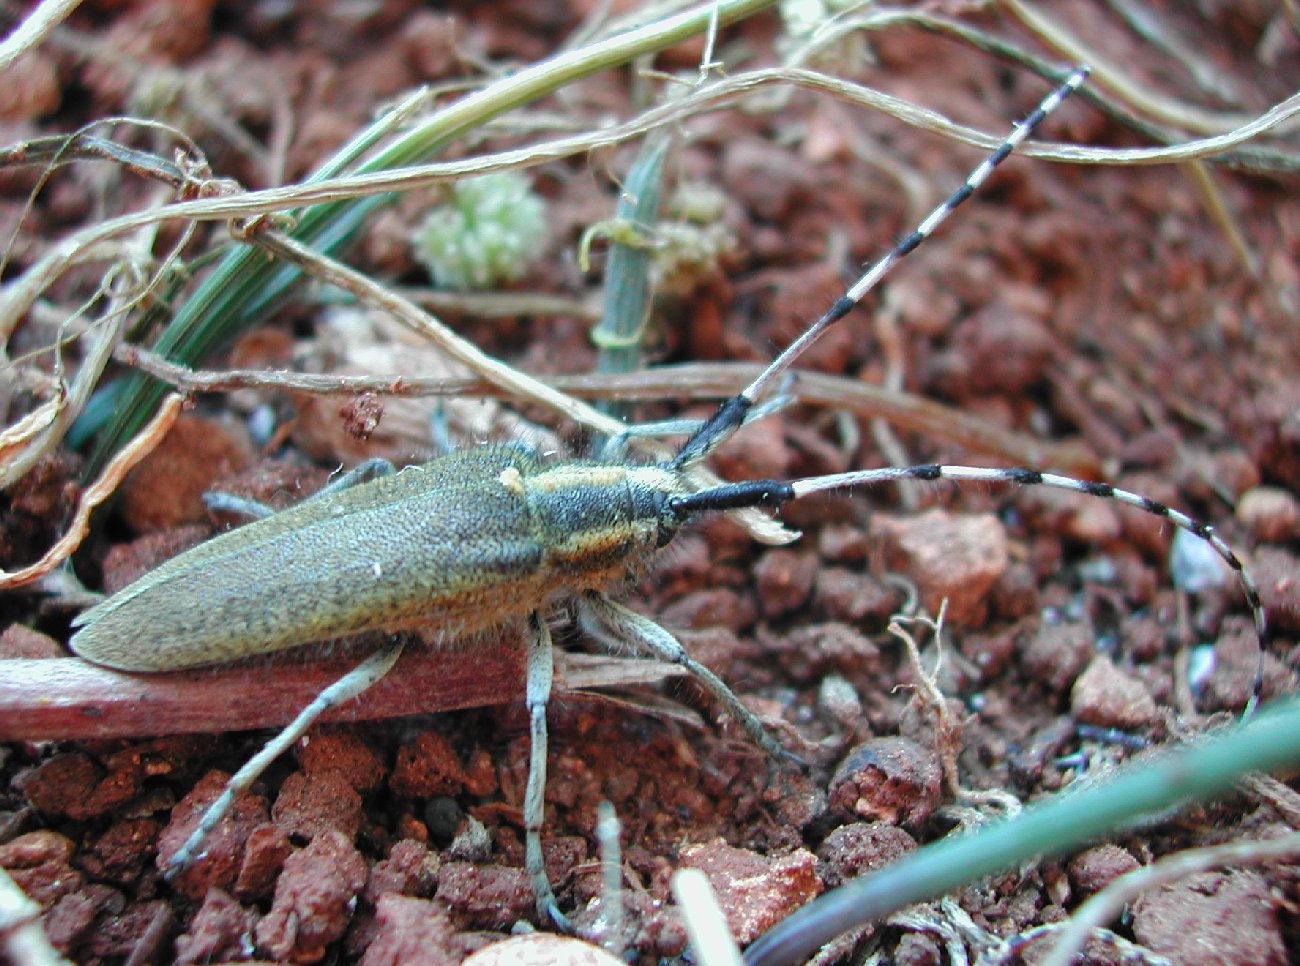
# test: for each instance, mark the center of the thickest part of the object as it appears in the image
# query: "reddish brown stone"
(859, 848)
(264, 854)
(850, 596)
(1095, 868)
(486, 896)
(343, 752)
(18, 640)
(1058, 653)
(411, 930)
(1271, 513)
(80, 787)
(309, 804)
(755, 891)
(784, 579)
(410, 869)
(165, 490)
(223, 851)
(1212, 919)
(953, 557)
(220, 930)
(895, 780)
(427, 767)
(1104, 695)
(313, 899)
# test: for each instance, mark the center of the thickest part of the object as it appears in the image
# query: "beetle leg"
(615, 448)
(363, 472)
(349, 686)
(614, 624)
(219, 501)
(541, 670)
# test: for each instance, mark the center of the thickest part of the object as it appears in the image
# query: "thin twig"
(34, 28)
(71, 699)
(501, 305)
(697, 380)
(97, 493)
(1108, 903)
(947, 734)
(21, 934)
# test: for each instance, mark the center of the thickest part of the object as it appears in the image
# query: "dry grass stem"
(97, 493)
(1109, 902)
(21, 935)
(34, 28)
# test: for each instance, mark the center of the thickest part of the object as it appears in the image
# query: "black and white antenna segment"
(731, 415)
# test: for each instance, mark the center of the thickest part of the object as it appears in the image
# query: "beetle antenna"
(775, 493)
(731, 414)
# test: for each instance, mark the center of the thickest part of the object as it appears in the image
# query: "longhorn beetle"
(482, 539)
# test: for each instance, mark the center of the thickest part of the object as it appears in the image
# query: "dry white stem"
(34, 28)
(1108, 903)
(706, 926)
(95, 494)
(24, 941)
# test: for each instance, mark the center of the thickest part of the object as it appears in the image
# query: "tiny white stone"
(1194, 565)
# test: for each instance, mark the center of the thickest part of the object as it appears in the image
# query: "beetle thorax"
(595, 519)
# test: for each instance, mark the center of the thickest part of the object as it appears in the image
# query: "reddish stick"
(67, 698)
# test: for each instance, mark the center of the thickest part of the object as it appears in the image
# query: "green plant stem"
(628, 287)
(245, 285)
(1067, 821)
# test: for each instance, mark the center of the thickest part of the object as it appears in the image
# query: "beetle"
(483, 539)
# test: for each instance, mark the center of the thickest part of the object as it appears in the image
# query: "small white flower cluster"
(484, 234)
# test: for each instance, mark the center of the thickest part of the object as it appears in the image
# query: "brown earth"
(1099, 307)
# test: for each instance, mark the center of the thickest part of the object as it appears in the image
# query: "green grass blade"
(245, 285)
(628, 286)
(1067, 821)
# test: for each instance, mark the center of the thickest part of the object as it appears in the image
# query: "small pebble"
(219, 931)
(1271, 513)
(755, 891)
(540, 949)
(487, 896)
(838, 701)
(1095, 868)
(784, 579)
(164, 490)
(861, 847)
(1104, 695)
(409, 930)
(314, 898)
(894, 780)
(957, 557)
(1212, 919)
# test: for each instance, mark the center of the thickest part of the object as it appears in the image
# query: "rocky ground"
(1101, 314)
